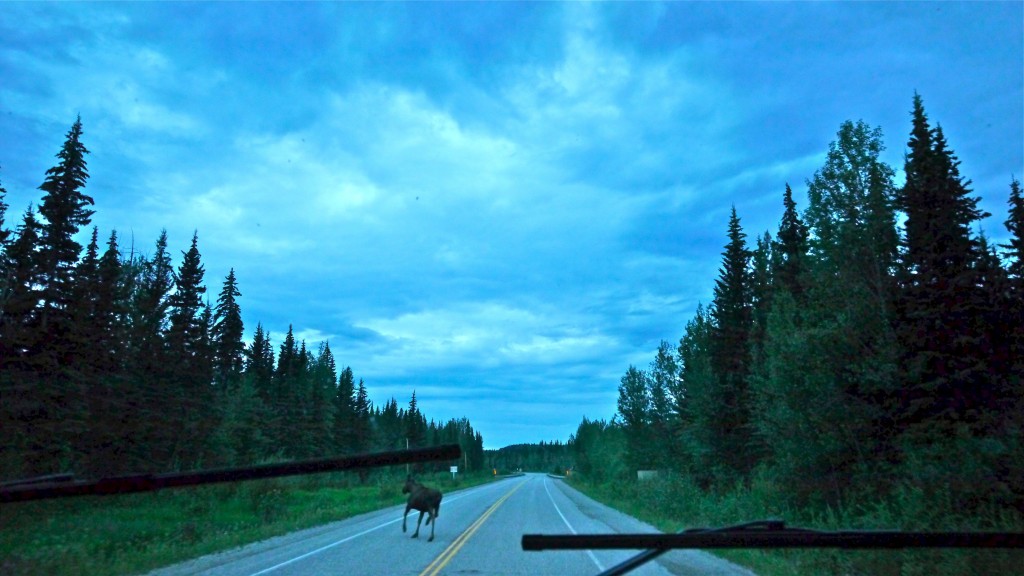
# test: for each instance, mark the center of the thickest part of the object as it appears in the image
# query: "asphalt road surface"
(478, 532)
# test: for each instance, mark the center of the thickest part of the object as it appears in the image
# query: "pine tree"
(185, 330)
(4, 233)
(945, 349)
(228, 330)
(150, 303)
(259, 364)
(1015, 247)
(789, 252)
(190, 373)
(18, 310)
(414, 424)
(345, 413)
(695, 395)
(1015, 300)
(323, 377)
(362, 433)
(732, 314)
(64, 208)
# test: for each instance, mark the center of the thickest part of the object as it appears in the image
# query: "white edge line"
(352, 537)
(571, 529)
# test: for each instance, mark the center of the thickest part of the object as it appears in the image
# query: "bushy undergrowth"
(673, 502)
(136, 533)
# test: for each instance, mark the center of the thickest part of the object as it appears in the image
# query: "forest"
(862, 367)
(115, 362)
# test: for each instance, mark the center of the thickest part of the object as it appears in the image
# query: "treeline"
(550, 457)
(872, 348)
(114, 362)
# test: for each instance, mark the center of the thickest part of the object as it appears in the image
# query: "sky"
(501, 206)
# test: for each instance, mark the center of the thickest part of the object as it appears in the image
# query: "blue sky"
(499, 205)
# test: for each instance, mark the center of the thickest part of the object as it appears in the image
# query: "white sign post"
(454, 470)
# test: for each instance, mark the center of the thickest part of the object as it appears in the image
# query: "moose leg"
(416, 534)
(404, 517)
(433, 514)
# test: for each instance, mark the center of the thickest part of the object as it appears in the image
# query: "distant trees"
(877, 336)
(114, 363)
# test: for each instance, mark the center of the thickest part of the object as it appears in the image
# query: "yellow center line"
(456, 545)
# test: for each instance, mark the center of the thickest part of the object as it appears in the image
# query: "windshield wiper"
(765, 534)
(62, 485)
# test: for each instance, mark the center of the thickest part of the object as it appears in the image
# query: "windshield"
(707, 263)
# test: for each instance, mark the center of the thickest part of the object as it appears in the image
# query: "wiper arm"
(61, 485)
(766, 534)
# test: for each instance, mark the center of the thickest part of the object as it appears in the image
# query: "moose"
(425, 500)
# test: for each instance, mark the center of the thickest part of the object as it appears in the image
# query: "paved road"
(478, 532)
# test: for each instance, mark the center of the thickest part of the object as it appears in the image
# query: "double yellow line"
(453, 548)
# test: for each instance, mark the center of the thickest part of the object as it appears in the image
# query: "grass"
(136, 533)
(672, 504)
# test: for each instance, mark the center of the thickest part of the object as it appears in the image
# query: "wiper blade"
(62, 485)
(765, 534)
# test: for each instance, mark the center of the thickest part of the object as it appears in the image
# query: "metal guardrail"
(64, 485)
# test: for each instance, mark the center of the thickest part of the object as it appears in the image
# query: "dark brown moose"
(425, 500)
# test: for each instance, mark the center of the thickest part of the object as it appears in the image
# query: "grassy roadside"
(672, 504)
(139, 532)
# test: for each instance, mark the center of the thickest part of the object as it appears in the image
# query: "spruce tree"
(345, 413)
(4, 232)
(730, 355)
(695, 395)
(185, 331)
(789, 251)
(362, 432)
(414, 424)
(18, 311)
(945, 347)
(228, 331)
(190, 375)
(259, 364)
(64, 208)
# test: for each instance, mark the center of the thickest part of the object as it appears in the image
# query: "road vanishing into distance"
(478, 532)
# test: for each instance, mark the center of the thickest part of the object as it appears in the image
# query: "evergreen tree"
(362, 432)
(695, 395)
(190, 373)
(415, 425)
(4, 233)
(945, 346)
(64, 208)
(107, 310)
(228, 330)
(1013, 312)
(18, 312)
(730, 355)
(151, 302)
(789, 252)
(1015, 224)
(259, 363)
(184, 334)
(345, 413)
(323, 377)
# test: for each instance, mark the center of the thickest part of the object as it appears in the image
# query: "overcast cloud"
(499, 205)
